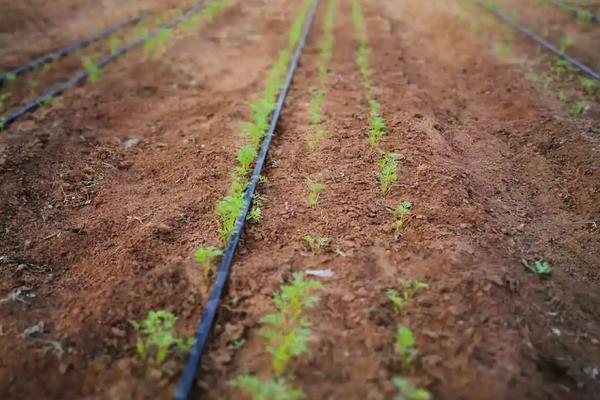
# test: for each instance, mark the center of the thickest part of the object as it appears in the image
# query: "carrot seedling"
(408, 391)
(258, 389)
(400, 213)
(92, 69)
(314, 188)
(158, 336)
(541, 268)
(316, 243)
(388, 165)
(205, 256)
(405, 346)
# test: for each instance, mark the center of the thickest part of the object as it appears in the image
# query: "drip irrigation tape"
(542, 42)
(189, 372)
(55, 55)
(82, 74)
(577, 11)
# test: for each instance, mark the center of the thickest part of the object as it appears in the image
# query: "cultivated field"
(287, 199)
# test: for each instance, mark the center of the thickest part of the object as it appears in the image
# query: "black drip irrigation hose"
(542, 42)
(575, 10)
(82, 74)
(186, 382)
(55, 55)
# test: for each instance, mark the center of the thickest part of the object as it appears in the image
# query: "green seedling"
(540, 268)
(163, 37)
(92, 69)
(377, 130)
(580, 108)
(287, 332)
(255, 213)
(10, 77)
(32, 84)
(283, 342)
(263, 180)
(400, 213)
(246, 156)
(158, 336)
(316, 243)
(388, 165)
(409, 289)
(113, 44)
(589, 85)
(314, 188)
(149, 45)
(315, 139)
(297, 296)
(408, 391)
(229, 209)
(2, 123)
(397, 300)
(504, 49)
(205, 256)
(3, 98)
(561, 67)
(564, 43)
(212, 9)
(562, 96)
(238, 344)
(258, 389)
(317, 97)
(405, 346)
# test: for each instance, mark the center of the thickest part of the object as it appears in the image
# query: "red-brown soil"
(496, 167)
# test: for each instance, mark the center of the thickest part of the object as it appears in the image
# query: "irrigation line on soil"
(542, 42)
(189, 372)
(82, 74)
(56, 54)
(577, 11)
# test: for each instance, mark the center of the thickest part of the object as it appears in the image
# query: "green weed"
(158, 335)
(258, 389)
(314, 188)
(589, 85)
(540, 268)
(316, 243)
(205, 256)
(149, 45)
(408, 391)
(388, 165)
(405, 346)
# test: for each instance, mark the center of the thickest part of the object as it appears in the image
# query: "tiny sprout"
(205, 256)
(540, 268)
(314, 188)
(316, 243)
(399, 213)
(113, 44)
(405, 345)
(266, 390)
(562, 96)
(408, 391)
(92, 70)
(579, 108)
